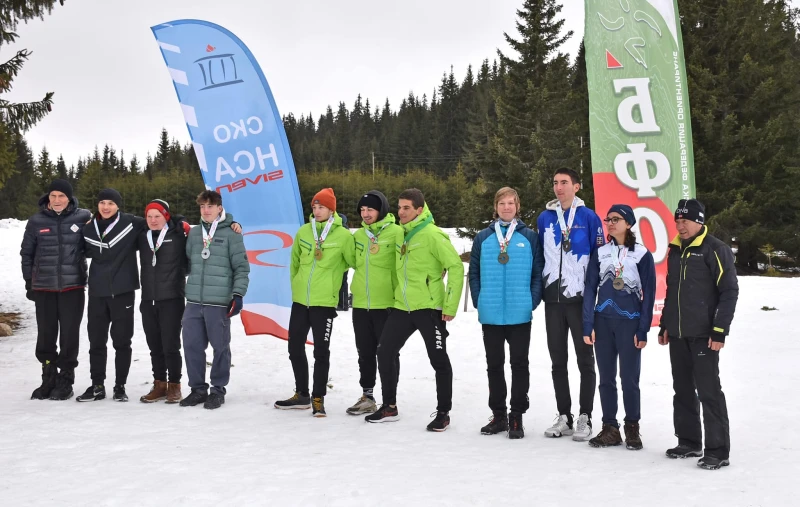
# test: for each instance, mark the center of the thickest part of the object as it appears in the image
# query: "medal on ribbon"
(101, 237)
(208, 236)
(374, 247)
(566, 245)
(154, 248)
(320, 239)
(619, 282)
(504, 240)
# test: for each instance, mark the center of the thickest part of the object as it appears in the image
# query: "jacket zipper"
(308, 286)
(60, 253)
(366, 280)
(681, 277)
(405, 284)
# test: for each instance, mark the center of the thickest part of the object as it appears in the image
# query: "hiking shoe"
(561, 427)
(364, 405)
(214, 400)
(515, 428)
(684, 451)
(384, 414)
(173, 393)
(63, 389)
(440, 422)
(194, 398)
(633, 440)
(157, 393)
(318, 406)
(119, 393)
(295, 402)
(583, 428)
(498, 423)
(93, 393)
(609, 436)
(712, 463)
(49, 374)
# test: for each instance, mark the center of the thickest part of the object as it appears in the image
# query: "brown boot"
(633, 440)
(157, 393)
(608, 436)
(174, 393)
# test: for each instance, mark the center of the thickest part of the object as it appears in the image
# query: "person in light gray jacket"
(218, 280)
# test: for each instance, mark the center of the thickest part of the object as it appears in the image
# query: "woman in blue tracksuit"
(622, 273)
(505, 277)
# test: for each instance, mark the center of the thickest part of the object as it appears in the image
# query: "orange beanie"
(326, 198)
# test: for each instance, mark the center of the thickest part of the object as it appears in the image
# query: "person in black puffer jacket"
(111, 241)
(163, 261)
(54, 269)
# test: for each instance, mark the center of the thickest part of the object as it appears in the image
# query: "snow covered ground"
(248, 453)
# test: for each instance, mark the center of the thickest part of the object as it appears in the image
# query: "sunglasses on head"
(613, 220)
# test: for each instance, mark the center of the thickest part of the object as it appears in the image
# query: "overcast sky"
(111, 84)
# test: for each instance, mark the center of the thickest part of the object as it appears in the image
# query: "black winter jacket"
(167, 279)
(702, 288)
(113, 269)
(52, 248)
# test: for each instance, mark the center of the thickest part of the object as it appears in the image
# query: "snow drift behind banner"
(641, 135)
(243, 153)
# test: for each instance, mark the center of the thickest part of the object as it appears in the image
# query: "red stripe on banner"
(609, 190)
(258, 324)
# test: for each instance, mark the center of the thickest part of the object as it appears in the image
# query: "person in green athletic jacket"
(377, 247)
(422, 303)
(322, 252)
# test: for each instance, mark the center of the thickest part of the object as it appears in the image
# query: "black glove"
(28, 290)
(235, 306)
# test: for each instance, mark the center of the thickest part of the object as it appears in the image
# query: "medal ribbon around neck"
(622, 253)
(373, 238)
(566, 228)
(161, 235)
(208, 236)
(319, 240)
(504, 241)
(105, 233)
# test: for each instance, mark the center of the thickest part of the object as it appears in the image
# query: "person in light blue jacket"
(505, 277)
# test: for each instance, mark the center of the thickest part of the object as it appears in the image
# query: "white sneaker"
(559, 428)
(582, 429)
(364, 405)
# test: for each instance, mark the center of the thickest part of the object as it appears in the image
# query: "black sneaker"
(384, 414)
(712, 463)
(497, 424)
(296, 402)
(515, 428)
(49, 374)
(214, 400)
(440, 422)
(684, 451)
(194, 398)
(119, 393)
(93, 393)
(63, 389)
(318, 404)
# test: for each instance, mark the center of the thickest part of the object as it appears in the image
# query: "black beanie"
(371, 200)
(109, 194)
(62, 186)
(691, 209)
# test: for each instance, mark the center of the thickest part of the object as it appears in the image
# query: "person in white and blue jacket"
(618, 302)
(505, 277)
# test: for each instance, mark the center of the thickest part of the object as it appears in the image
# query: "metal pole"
(466, 292)
(373, 166)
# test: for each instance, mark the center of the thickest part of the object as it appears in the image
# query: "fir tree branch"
(22, 117)
(10, 69)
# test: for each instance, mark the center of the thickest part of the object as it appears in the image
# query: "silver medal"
(206, 253)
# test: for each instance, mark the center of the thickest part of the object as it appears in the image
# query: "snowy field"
(248, 453)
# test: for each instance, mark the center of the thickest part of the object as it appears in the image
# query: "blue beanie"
(625, 211)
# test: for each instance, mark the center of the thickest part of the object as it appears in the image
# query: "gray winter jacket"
(215, 280)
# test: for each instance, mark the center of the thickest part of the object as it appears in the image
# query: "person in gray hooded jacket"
(218, 280)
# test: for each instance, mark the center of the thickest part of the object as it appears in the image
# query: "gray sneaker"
(559, 428)
(364, 405)
(583, 429)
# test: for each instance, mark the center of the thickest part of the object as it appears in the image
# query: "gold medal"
(403, 249)
(374, 248)
(318, 254)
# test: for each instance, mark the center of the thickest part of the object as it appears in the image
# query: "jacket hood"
(45, 200)
(384, 203)
(554, 204)
(388, 219)
(422, 216)
(520, 224)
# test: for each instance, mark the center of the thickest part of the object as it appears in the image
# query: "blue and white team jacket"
(635, 301)
(506, 294)
(565, 272)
